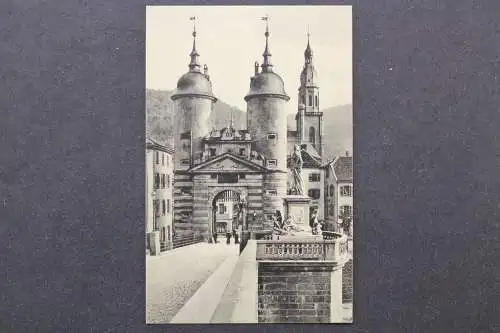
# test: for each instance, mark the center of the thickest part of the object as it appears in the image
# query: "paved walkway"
(173, 277)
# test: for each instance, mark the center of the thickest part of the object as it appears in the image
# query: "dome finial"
(266, 65)
(194, 65)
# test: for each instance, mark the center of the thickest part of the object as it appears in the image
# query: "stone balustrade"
(332, 248)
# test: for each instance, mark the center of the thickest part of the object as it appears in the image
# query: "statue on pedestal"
(297, 186)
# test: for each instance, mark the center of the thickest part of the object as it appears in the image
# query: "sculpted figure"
(297, 186)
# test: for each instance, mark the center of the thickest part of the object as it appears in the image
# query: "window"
(168, 205)
(304, 99)
(222, 209)
(185, 162)
(272, 192)
(168, 232)
(185, 147)
(168, 181)
(314, 193)
(185, 135)
(346, 211)
(310, 100)
(162, 181)
(157, 181)
(228, 178)
(156, 205)
(272, 136)
(332, 190)
(213, 176)
(212, 152)
(316, 100)
(314, 177)
(163, 207)
(242, 176)
(271, 163)
(157, 157)
(162, 159)
(163, 234)
(312, 136)
(327, 172)
(346, 191)
(242, 151)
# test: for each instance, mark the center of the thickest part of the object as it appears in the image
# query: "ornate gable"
(227, 163)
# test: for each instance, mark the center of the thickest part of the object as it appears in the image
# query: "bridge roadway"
(174, 276)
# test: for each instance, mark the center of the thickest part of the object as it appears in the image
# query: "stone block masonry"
(296, 291)
(347, 282)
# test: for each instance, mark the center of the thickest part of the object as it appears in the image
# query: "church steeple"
(308, 52)
(267, 65)
(194, 65)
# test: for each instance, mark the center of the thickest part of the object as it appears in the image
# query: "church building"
(224, 172)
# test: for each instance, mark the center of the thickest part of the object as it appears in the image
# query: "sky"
(231, 38)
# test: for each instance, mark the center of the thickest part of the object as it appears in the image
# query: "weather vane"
(266, 18)
(193, 18)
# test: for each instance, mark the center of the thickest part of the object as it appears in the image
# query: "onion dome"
(194, 82)
(267, 82)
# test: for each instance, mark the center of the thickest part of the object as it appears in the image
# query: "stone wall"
(347, 282)
(295, 293)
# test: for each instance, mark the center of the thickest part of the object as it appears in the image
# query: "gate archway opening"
(226, 212)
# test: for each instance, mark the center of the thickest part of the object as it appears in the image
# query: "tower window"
(316, 102)
(242, 176)
(185, 162)
(312, 136)
(164, 208)
(303, 99)
(272, 136)
(213, 176)
(157, 157)
(212, 152)
(310, 100)
(242, 151)
(331, 190)
(272, 192)
(168, 205)
(271, 163)
(162, 181)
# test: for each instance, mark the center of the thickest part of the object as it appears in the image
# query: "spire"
(266, 65)
(308, 52)
(194, 65)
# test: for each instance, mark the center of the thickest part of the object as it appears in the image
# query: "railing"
(186, 240)
(332, 249)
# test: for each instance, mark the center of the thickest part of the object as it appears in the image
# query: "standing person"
(279, 219)
(228, 237)
(215, 237)
(235, 235)
(313, 223)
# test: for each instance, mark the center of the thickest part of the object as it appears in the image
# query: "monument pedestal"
(297, 207)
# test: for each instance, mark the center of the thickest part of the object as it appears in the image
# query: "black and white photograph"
(249, 167)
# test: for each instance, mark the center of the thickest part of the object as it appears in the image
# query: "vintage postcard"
(249, 178)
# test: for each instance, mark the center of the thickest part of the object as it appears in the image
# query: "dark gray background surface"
(427, 159)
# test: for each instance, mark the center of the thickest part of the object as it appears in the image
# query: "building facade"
(339, 196)
(159, 192)
(223, 174)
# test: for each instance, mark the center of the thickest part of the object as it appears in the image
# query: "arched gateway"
(227, 210)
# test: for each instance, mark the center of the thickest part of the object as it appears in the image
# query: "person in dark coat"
(228, 237)
(279, 219)
(215, 237)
